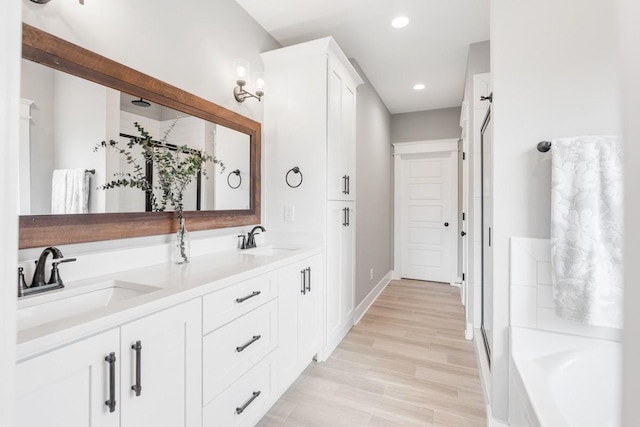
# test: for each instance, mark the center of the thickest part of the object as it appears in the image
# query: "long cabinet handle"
(253, 397)
(303, 282)
(344, 217)
(348, 185)
(254, 339)
(345, 180)
(111, 360)
(348, 214)
(243, 299)
(137, 387)
(308, 277)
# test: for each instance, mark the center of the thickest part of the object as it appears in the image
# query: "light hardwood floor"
(405, 364)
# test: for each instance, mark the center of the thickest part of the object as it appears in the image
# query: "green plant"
(174, 167)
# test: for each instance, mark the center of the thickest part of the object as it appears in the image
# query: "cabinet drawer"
(233, 349)
(258, 384)
(233, 301)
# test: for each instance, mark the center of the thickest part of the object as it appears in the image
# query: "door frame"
(403, 151)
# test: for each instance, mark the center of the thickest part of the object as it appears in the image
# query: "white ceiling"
(432, 49)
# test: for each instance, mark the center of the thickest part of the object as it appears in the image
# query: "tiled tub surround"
(532, 304)
(563, 373)
(559, 380)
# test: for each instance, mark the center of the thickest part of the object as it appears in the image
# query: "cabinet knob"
(446, 224)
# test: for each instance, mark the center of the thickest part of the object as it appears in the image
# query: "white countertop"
(178, 283)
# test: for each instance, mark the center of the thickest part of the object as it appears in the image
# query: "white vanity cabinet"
(170, 368)
(341, 218)
(71, 386)
(299, 317)
(310, 123)
(68, 387)
(239, 347)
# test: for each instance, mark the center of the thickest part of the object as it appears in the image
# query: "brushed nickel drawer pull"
(254, 339)
(243, 299)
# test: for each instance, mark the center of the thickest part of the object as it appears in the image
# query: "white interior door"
(426, 217)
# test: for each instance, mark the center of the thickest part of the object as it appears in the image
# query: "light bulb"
(400, 22)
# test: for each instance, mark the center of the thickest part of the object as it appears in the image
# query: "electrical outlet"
(371, 274)
(289, 214)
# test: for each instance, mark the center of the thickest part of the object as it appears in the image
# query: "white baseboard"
(468, 332)
(395, 275)
(362, 308)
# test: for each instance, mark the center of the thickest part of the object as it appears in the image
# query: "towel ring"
(237, 173)
(296, 170)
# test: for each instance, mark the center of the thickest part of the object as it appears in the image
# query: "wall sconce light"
(242, 75)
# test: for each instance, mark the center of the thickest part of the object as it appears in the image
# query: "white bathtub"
(560, 380)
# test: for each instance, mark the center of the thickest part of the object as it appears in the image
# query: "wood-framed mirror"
(48, 229)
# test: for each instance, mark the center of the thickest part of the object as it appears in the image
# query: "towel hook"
(236, 173)
(544, 146)
(295, 170)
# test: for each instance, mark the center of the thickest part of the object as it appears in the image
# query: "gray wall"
(629, 13)
(478, 61)
(426, 125)
(549, 83)
(374, 205)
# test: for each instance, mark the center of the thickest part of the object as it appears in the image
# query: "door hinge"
(464, 156)
(463, 277)
(463, 216)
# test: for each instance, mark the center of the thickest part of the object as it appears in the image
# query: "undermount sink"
(44, 308)
(268, 251)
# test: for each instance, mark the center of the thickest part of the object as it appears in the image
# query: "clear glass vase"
(182, 244)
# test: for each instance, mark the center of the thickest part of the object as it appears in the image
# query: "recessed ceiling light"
(419, 86)
(400, 22)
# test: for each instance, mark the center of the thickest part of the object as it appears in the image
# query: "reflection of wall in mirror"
(68, 118)
(232, 148)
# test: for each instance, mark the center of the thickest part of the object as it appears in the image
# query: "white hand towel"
(59, 191)
(70, 191)
(587, 229)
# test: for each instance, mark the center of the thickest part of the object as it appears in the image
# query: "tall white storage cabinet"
(310, 124)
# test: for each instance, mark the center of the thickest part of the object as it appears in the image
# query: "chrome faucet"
(39, 284)
(251, 237)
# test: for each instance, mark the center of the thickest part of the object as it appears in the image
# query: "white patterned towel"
(587, 229)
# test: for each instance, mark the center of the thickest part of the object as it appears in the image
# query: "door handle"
(111, 403)
(446, 224)
(462, 233)
(138, 386)
(308, 277)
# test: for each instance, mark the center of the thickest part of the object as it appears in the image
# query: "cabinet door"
(170, 368)
(68, 387)
(290, 288)
(309, 311)
(341, 96)
(339, 281)
(299, 318)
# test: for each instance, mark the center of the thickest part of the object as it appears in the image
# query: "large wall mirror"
(72, 100)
